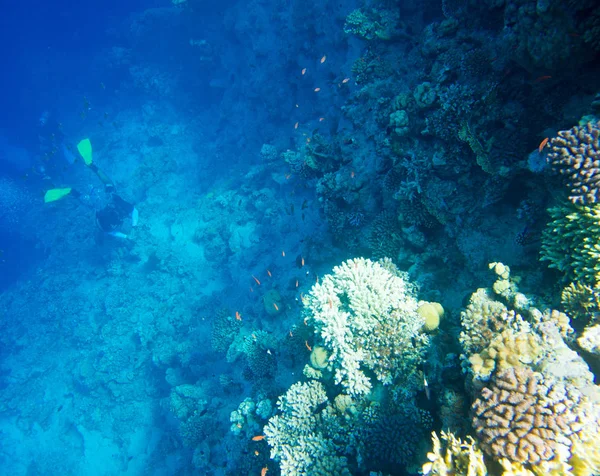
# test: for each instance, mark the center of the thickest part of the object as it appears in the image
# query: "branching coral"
(366, 315)
(570, 242)
(296, 434)
(458, 457)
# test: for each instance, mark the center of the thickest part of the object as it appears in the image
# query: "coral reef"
(569, 242)
(297, 437)
(455, 457)
(532, 420)
(366, 316)
(575, 154)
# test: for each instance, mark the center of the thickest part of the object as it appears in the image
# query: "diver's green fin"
(85, 149)
(56, 194)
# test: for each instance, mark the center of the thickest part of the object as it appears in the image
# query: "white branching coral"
(366, 314)
(296, 434)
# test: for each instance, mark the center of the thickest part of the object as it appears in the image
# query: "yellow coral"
(459, 457)
(585, 454)
(507, 349)
(319, 357)
(431, 312)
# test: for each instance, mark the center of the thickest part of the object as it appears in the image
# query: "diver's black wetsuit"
(111, 217)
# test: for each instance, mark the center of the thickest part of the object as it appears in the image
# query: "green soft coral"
(571, 242)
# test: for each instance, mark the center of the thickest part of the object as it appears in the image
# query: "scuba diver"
(118, 216)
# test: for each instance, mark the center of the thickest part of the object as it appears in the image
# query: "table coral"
(366, 315)
(575, 154)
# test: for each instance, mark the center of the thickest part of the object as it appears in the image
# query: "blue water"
(240, 151)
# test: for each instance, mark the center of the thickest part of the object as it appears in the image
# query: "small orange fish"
(317, 90)
(302, 262)
(256, 279)
(263, 471)
(323, 59)
(303, 71)
(330, 304)
(296, 283)
(542, 78)
(283, 254)
(239, 425)
(276, 307)
(256, 453)
(269, 273)
(258, 438)
(308, 346)
(287, 176)
(542, 145)
(296, 126)
(238, 316)
(345, 80)
(321, 119)
(352, 174)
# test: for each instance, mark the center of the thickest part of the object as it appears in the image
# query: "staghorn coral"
(366, 316)
(570, 242)
(575, 154)
(530, 419)
(459, 457)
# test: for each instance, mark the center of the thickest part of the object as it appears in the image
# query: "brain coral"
(575, 153)
(528, 419)
(366, 315)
